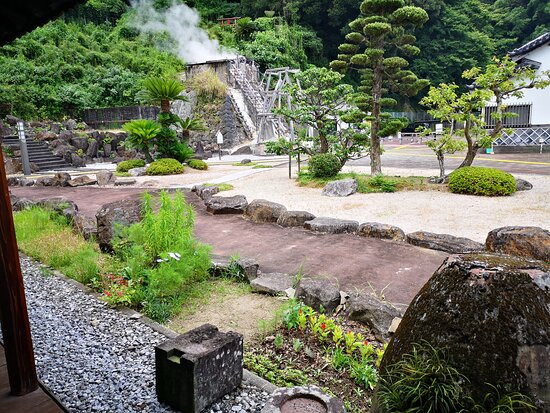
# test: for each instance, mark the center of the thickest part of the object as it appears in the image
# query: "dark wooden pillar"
(13, 306)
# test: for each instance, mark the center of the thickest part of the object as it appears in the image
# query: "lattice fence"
(525, 137)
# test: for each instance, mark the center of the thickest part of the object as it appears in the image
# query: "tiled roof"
(533, 44)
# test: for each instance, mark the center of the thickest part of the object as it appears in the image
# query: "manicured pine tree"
(381, 37)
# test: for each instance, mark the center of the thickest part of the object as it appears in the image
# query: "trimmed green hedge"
(325, 165)
(475, 180)
(197, 164)
(125, 166)
(165, 166)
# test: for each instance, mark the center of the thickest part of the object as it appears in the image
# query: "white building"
(532, 125)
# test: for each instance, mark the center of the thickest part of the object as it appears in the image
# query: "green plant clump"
(125, 166)
(475, 180)
(165, 166)
(324, 165)
(197, 164)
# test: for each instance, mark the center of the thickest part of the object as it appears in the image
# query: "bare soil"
(230, 309)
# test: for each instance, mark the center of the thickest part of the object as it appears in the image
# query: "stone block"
(331, 225)
(263, 211)
(199, 367)
(226, 205)
(444, 242)
(383, 231)
(272, 283)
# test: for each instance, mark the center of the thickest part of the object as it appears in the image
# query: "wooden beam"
(13, 306)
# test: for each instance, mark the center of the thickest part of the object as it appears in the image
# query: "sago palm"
(162, 91)
(141, 135)
(191, 124)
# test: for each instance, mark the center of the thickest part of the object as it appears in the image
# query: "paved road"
(398, 269)
(415, 156)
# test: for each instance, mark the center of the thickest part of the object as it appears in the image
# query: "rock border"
(326, 225)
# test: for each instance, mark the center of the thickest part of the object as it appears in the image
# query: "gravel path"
(440, 212)
(95, 359)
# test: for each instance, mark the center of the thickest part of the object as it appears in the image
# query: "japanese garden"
(309, 206)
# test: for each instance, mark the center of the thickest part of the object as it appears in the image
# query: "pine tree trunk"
(375, 151)
(324, 144)
(441, 160)
(473, 147)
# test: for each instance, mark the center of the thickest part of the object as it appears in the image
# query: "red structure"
(228, 21)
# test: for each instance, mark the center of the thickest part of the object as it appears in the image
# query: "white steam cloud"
(181, 22)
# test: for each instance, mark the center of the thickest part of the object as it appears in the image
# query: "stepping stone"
(226, 205)
(332, 225)
(444, 242)
(125, 182)
(294, 218)
(274, 283)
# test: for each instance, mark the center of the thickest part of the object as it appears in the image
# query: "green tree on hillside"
(380, 36)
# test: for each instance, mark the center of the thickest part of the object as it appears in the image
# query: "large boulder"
(105, 178)
(340, 188)
(77, 161)
(80, 143)
(116, 215)
(294, 218)
(272, 283)
(444, 242)
(19, 204)
(62, 178)
(262, 211)
(491, 314)
(46, 181)
(85, 226)
(226, 205)
(205, 192)
(139, 171)
(523, 185)
(83, 180)
(374, 312)
(62, 206)
(91, 152)
(317, 292)
(529, 242)
(384, 231)
(331, 225)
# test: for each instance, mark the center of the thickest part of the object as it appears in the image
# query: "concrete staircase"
(39, 154)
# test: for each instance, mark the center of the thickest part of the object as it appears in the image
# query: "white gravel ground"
(440, 212)
(96, 359)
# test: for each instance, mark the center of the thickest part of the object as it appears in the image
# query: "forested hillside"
(93, 57)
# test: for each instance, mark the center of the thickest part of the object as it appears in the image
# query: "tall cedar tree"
(380, 37)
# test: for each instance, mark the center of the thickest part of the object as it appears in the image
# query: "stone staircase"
(39, 154)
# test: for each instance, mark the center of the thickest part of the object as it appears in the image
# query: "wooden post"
(13, 307)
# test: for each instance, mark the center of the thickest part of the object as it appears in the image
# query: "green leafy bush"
(125, 166)
(382, 183)
(165, 166)
(179, 151)
(197, 164)
(477, 180)
(324, 165)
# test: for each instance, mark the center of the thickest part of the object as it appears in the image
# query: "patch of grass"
(47, 237)
(222, 187)
(372, 184)
(244, 164)
(122, 174)
(262, 166)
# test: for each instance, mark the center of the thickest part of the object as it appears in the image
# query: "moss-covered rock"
(492, 315)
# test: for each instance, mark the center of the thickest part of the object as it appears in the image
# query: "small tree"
(441, 102)
(320, 101)
(379, 36)
(163, 91)
(141, 135)
(501, 80)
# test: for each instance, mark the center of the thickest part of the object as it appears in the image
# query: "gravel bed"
(95, 359)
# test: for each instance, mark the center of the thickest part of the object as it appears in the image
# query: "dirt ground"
(231, 310)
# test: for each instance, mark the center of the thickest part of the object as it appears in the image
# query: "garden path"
(358, 263)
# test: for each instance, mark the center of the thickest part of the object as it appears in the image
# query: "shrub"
(197, 164)
(382, 184)
(422, 381)
(208, 85)
(179, 151)
(324, 165)
(125, 166)
(165, 166)
(476, 180)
